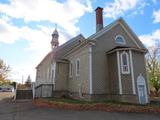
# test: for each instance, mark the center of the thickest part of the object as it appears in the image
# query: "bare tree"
(153, 68)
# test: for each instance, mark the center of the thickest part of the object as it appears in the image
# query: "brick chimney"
(99, 18)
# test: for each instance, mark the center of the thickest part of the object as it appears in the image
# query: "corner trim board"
(119, 74)
(132, 73)
(90, 70)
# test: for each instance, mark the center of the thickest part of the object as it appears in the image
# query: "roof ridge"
(71, 40)
(106, 27)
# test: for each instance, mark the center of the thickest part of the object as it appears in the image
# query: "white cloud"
(64, 14)
(5, 17)
(118, 8)
(21, 72)
(156, 15)
(154, 1)
(151, 39)
(38, 44)
(8, 33)
(37, 38)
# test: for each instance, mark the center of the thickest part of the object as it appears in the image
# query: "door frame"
(141, 82)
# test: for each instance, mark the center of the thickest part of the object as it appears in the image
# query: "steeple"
(54, 41)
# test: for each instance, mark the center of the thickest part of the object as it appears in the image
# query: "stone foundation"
(103, 97)
(94, 97)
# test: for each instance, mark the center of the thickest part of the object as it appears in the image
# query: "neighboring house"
(108, 65)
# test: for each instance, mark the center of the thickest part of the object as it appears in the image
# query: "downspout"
(90, 53)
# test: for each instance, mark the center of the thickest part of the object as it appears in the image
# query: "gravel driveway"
(6, 95)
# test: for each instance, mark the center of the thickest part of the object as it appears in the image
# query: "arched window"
(70, 69)
(120, 39)
(77, 67)
(125, 63)
(53, 72)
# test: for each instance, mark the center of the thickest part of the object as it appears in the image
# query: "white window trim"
(122, 38)
(76, 67)
(125, 72)
(70, 70)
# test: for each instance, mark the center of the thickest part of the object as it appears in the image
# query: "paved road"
(25, 110)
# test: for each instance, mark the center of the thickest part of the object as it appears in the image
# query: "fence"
(24, 94)
(44, 90)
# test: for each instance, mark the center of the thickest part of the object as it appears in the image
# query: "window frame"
(77, 71)
(53, 71)
(48, 73)
(124, 41)
(122, 65)
(71, 69)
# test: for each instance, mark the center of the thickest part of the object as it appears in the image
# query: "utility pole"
(22, 79)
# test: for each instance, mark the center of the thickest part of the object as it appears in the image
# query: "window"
(70, 70)
(77, 67)
(52, 75)
(53, 71)
(57, 68)
(48, 73)
(125, 63)
(120, 39)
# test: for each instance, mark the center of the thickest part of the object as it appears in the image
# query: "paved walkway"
(25, 110)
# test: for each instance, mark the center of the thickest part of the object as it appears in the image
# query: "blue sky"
(26, 26)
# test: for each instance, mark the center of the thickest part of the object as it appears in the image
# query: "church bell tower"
(54, 41)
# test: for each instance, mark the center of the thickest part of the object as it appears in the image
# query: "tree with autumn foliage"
(153, 68)
(4, 73)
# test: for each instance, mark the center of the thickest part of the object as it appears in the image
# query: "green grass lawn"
(69, 100)
(113, 103)
(109, 106)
